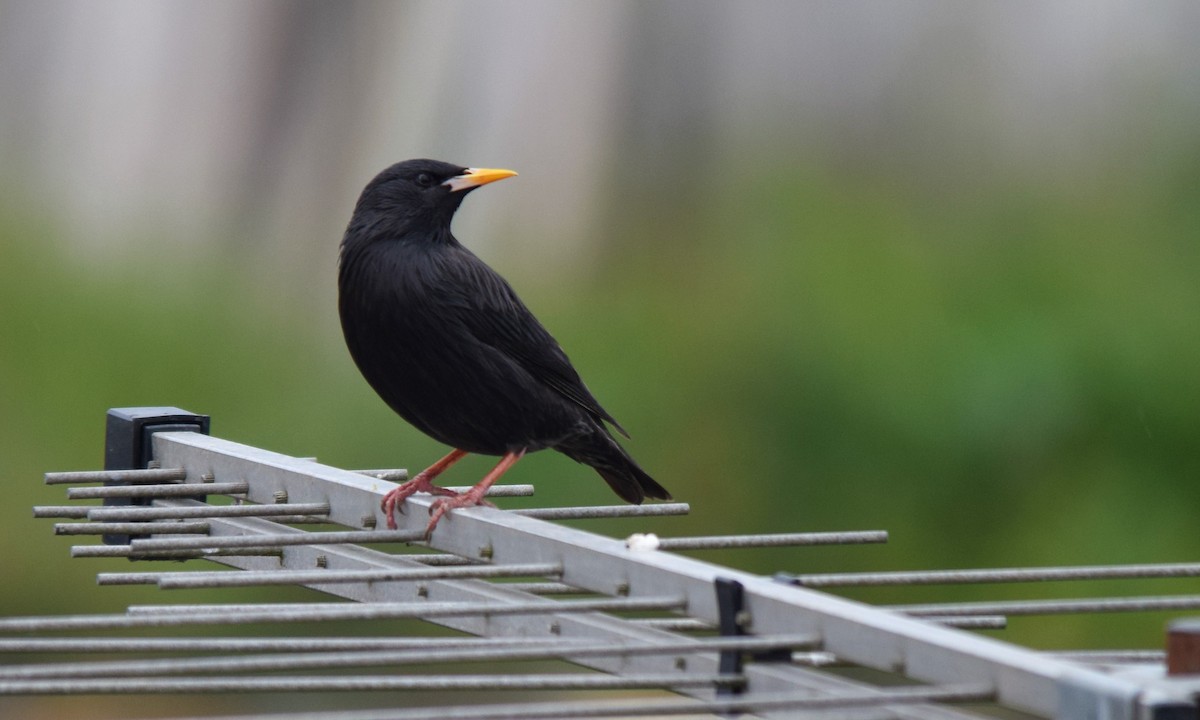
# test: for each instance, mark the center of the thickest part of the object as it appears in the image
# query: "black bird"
(449, 346)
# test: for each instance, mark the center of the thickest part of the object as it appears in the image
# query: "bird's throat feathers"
(388, 230)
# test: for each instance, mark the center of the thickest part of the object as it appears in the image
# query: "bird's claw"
(441, 506)
(393, 502)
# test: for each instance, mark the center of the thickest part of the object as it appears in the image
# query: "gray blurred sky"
(249, 127)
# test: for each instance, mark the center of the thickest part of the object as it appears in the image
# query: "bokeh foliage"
(1006, 376)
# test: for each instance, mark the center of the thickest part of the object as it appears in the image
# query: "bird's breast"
(404, 325)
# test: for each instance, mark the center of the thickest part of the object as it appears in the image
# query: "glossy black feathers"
(446, 342)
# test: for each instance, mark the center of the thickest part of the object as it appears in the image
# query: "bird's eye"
(425, 180)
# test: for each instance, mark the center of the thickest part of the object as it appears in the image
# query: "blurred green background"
(932, 268)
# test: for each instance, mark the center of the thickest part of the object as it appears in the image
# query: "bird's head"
(416, 198)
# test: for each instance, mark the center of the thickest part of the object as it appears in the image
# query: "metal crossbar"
(529, 589)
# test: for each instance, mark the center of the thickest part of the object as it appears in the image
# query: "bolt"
(280, 496)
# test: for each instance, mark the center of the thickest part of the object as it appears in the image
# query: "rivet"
(322, 561)
(623, 589)
(280, 496)
(486, 552)
(555, 628)
(680, 663)
(422, 591)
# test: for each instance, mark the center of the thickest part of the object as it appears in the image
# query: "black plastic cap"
(127, 444)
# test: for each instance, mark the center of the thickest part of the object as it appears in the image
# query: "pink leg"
(474, 496)
(423, 482)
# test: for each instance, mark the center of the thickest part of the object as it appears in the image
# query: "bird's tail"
(619, 470)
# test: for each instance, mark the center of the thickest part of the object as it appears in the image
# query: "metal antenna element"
(618, 615)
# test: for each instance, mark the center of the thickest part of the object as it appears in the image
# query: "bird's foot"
(394, 500)
(474, 496)
(441, 506)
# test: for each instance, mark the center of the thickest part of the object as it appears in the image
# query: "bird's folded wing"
(496, 317)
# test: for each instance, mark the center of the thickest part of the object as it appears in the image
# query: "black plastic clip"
(127, 445)
(733, 621)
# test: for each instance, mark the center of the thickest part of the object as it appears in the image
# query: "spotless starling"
(449, 346)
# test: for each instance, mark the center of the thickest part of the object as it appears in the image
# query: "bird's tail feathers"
(632, 483)
(618, 469)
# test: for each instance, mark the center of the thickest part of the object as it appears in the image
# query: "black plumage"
(449, 346)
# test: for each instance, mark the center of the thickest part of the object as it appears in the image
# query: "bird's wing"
(485, 304)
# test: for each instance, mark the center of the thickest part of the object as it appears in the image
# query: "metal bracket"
(1089, 697)
(127, 446)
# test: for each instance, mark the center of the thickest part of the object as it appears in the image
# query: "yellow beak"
(474, 177)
